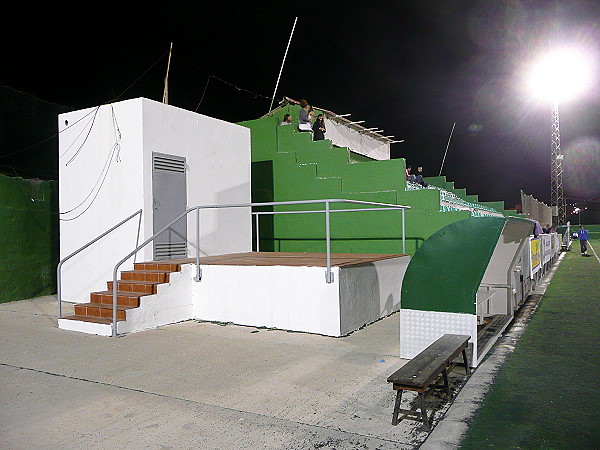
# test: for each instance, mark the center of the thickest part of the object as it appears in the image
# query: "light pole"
(557, 197)
(559, 75)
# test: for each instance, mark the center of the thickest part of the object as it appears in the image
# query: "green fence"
(28, 238)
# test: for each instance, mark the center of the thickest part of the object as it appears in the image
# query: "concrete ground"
(196, 385)
(206, 385)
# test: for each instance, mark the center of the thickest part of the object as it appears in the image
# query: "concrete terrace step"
(158, 265)
(131, 299)
(160, 276)
(95, 317)
(142, 287)
(100, 310)
(99, 320)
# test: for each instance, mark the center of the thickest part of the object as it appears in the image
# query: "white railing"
(370, 206)
(62, 261)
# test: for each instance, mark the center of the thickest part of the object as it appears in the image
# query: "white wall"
(218, 171)
(370, 291)
(218, 158)
(110, 198)
(284, 297)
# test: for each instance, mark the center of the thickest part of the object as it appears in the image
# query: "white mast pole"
(166, 91)
(447, 145)
(281, 70)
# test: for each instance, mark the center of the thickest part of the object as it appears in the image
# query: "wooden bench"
(422, 373)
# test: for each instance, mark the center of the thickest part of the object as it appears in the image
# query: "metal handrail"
(62, 261)
(198, 277)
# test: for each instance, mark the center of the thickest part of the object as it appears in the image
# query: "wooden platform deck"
(285, 259)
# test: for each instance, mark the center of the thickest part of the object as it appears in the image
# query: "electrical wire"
(85, 140)
(47, 139)
(138, 78)
(82, 130)
(202, 98)
(115, 148)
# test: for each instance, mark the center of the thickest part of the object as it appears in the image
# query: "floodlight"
(561, 74)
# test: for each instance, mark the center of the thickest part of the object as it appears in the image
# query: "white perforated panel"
(419, 329)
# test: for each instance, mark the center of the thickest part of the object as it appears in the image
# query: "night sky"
(412, 68)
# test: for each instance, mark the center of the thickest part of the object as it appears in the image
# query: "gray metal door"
(169, 200)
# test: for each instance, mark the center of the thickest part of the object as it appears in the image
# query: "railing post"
(257, 234)
(58, 292)
(114, 315)
(328, 273)
(137, 239)
(198, 276)
(403, 234)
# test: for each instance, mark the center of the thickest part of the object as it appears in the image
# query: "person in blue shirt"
(583, 238)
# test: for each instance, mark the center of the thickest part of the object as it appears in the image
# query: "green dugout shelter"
(468, 278)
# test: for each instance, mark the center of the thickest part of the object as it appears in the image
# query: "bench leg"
(424, 412)
(397, 407)
(446, 384)
(467, 368)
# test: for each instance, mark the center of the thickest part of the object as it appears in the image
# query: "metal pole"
(447, 145)
(257, 234)
(556, 169)
(166, 91)
(403, 233)
(58, 295)
(137, 239)
(281, 70)
(328, 273)
(114, 317)
(198, 269)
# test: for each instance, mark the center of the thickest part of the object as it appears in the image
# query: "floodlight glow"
(561, 74)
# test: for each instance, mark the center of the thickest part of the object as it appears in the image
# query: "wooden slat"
(424, 368)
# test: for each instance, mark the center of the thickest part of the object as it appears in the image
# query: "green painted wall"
(288, 165)
(446, 271)
(28, 238)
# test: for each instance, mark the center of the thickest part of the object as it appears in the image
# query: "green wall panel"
(28, 238)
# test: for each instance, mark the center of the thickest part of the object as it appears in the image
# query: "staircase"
(133, 285)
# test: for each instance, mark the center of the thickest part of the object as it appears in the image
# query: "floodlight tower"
(556, 171)
(560, 75)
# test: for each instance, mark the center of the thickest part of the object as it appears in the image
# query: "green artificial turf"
(547, 395)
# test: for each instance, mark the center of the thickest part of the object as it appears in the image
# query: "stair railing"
(328, 274)
(62, 261)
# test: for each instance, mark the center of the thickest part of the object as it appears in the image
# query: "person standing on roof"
(304, 116)
(583, 238)
(319, 128)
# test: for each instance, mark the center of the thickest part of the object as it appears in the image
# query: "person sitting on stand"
(319, 128)
(410, 176)
(419, 178)
(304, 123)
(287, 120)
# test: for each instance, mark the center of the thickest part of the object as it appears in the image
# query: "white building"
(139, 154)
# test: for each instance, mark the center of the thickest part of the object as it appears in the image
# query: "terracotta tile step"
(159, 276)
(142, 287)
(91, 319)
(131, 299)
(100, 310)
(157, 265)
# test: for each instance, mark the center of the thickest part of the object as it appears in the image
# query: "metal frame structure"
(556, 193)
